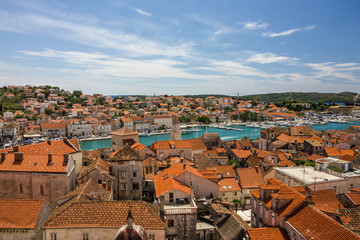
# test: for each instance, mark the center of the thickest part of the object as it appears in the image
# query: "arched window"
(42, 189)
(21, 188)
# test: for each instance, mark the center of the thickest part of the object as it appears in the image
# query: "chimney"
(66, 159)
(19, 156)
(161, 205)
(16, 148)
(49, 158)
(3, 155)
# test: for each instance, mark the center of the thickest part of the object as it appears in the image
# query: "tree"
(236, 202)
(204, 119)
(77, 93)
(48, 111)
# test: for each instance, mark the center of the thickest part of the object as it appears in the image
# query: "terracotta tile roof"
(194, 144)
(203, 161)
(229, 184)
(124, 131)
(126, 153)
(242, 153)
(315, 157)
(138, 146)
(35, 157)
(347, 152)
(348, 158)
(354, 197)
(326, 198)
(303, 131)
(107, 214)
(164, 181)
(227, 171)
(294, 197)
(287, 163)
(351, 218)
(267, 233)
(332, 151)
(160, 145)
(53, 126)
(313, 224)
(99, 164)
(84, 190)
(249, 177)
(20, 213)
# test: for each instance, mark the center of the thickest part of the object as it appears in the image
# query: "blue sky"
(181, 47)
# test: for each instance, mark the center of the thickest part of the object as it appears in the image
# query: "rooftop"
(307, 175)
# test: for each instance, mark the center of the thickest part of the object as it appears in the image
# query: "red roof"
(313, 224)
(20, 213)
(249, 177)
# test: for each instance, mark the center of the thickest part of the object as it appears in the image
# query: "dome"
(131, 231)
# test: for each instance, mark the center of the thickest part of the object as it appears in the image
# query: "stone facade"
(127, 167)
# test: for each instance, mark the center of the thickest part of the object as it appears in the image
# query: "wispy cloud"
(270, 58)
(287, 32)
(255, 25)
(89, 34)
(142, 12)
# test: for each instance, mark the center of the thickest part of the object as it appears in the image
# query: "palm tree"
(236, 202)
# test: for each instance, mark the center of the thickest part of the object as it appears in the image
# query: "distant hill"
(303, 96)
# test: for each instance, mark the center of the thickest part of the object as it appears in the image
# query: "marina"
(226, 133)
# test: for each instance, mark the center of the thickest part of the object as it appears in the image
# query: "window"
(123, 186)
(170, 223)
(134, 174)
(235, 193)
(53, 236)
(335, 188)
(123, 175)
(132, 162)
(152, 236)
(21, 188)
(352, 185)
(135, 186)
(42, 189)
(171, 197)
(85, 236)
(99, 181)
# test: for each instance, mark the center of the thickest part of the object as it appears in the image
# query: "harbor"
(226, 133)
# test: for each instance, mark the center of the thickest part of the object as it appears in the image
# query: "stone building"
(175, 132)
(127, 167)
(122, 136)
(21, 218)
(103, 219)
(39, 171)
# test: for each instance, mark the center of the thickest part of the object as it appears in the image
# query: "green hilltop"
(303, 96)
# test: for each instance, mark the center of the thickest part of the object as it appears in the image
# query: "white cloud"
(142, 12)
(90, 35)
(255, 25)
(287, 32)
(270, 58)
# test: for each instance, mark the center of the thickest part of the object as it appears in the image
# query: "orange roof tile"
(313, 224)
(107, 214)
(164, 181)
(20, 213)
(332, 151)
(354, 197)
(229, 184)
(242, 153)
(227, 171)
(249, 177)
(267, 233)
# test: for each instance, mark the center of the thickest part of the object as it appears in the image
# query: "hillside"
(303, 96)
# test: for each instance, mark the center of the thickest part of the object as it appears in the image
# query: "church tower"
(175, 132)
